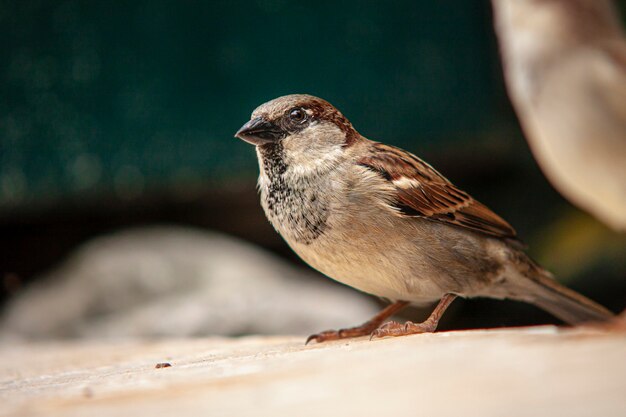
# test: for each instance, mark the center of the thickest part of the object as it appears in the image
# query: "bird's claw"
(324, 336)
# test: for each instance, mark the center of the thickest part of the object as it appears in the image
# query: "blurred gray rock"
(170, 281)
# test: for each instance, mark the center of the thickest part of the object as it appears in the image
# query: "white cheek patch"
(404, 182)
(315, 149)
(315, 162)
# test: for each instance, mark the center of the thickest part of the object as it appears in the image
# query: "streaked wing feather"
(422, 192)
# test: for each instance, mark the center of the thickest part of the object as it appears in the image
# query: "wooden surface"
(541, 371)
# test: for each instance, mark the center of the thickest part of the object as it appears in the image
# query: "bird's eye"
(297, 115)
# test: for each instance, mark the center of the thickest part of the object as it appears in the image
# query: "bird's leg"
(429, 325)
(364, 329)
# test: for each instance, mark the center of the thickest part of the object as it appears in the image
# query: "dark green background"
(113, 97)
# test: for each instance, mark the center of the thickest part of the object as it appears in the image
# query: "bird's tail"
(543, 291)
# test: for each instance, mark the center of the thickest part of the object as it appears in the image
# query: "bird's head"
(301, 124)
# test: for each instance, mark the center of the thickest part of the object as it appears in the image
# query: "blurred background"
(128, 208)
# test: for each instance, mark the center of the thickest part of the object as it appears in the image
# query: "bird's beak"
(259, 131)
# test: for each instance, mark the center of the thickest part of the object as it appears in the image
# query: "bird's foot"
(363, 330)
(394, 329)
(327, 335)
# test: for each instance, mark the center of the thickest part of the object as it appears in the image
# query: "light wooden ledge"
(538, 371)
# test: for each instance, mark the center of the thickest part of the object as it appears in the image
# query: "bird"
(564, 64)
(381, 220)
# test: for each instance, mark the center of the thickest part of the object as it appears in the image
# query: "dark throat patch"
(294, 208)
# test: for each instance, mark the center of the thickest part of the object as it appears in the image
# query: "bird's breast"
(298, 214)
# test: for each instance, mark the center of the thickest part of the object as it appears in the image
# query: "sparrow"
(565, 68)
(381, 220)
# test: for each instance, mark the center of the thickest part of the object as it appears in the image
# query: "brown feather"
(421, 191)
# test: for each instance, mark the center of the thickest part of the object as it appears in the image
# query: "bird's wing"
(420, 191)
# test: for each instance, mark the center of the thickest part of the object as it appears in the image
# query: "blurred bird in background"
(565, 70)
